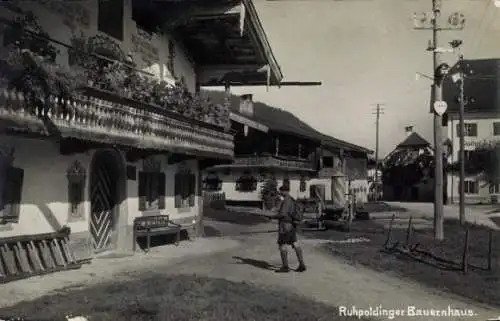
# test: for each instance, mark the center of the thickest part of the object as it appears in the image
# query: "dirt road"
(248, 255)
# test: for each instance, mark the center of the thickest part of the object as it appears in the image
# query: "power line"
(485, 31)
(475, 45)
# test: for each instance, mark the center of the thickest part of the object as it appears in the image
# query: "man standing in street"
(288, 222)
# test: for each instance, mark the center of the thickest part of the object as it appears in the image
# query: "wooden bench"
(155, 225)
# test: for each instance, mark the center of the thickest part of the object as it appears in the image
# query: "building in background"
(271, 143)
(482, 125)
(407, 171)
(102, 118)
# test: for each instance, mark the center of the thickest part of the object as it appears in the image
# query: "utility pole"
(378, 111)
(462, 141)
(456, 21)
(456, 44)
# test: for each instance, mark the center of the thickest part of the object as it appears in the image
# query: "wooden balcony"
(101, 99)
(104, 118)
(271, 162)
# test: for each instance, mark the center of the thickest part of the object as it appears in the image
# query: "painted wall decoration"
(74, 14)
(142, 47)
(77, 176)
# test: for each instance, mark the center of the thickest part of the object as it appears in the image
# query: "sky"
(365, 52)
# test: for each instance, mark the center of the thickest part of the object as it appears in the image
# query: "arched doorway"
(104, 195)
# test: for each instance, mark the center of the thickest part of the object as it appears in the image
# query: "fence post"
(409, 231)
(466, 252)
(389, 232)
(490, 250)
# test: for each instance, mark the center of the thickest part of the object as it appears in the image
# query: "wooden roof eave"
(248, 122)
(258, 35)
(265, 72)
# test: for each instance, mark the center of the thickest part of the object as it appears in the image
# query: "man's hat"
(284, 188)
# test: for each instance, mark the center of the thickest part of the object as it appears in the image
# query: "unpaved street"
(248, 254)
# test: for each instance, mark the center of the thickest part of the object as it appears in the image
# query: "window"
(246, 183)
(328, 161)
(286, 182)
(496, 129)
(470, 130)
(303, 184)
(152, 190)
(76, 176)
(468, 154)
(11, 186)
(185, 189)
(111, 26)
(171, 58)
(471, 187)
(212, 183)
(494, 188)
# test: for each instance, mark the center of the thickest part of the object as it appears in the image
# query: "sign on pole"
(440, 107)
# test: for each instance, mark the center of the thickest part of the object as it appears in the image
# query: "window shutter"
(458, 130)
(12, 195)
(473, 130)
(177, 190)
(162, 189)
(143, 180)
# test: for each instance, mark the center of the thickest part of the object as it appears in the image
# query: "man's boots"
(284, 261)
(300, 258)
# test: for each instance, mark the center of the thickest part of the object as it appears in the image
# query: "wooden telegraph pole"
(377, 112)
(425, 21)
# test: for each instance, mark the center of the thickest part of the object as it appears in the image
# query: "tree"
(407, 167)
(484, 161)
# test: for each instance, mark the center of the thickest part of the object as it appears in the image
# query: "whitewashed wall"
(229, 185)
(44, 197)
(57, 21)
(484, 133)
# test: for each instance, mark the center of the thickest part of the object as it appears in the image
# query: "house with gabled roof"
(407, 171)
(271, 142)
(102, 118)
(481, 124)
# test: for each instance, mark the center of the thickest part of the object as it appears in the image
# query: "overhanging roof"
(482, 87)
(248, 122)
(227, 42)
(282, 121)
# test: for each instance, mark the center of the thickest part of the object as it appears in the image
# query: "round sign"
(440, 107)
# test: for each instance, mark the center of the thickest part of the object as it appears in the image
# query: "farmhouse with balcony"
(274, 145)
(101, 115)
(482, 125)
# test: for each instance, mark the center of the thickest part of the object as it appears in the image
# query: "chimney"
(408, 130)
(246, 105)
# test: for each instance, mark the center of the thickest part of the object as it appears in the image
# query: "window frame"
(470, 129)
(151, 190)
(107, 25)
(246, 178)
(11, 198)
(184, 189)
(471, 185)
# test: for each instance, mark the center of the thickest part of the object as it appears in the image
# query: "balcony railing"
(101, 97)
(270, 161)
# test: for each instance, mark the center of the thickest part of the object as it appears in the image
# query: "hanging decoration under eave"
(242, 19)
(267, 70)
